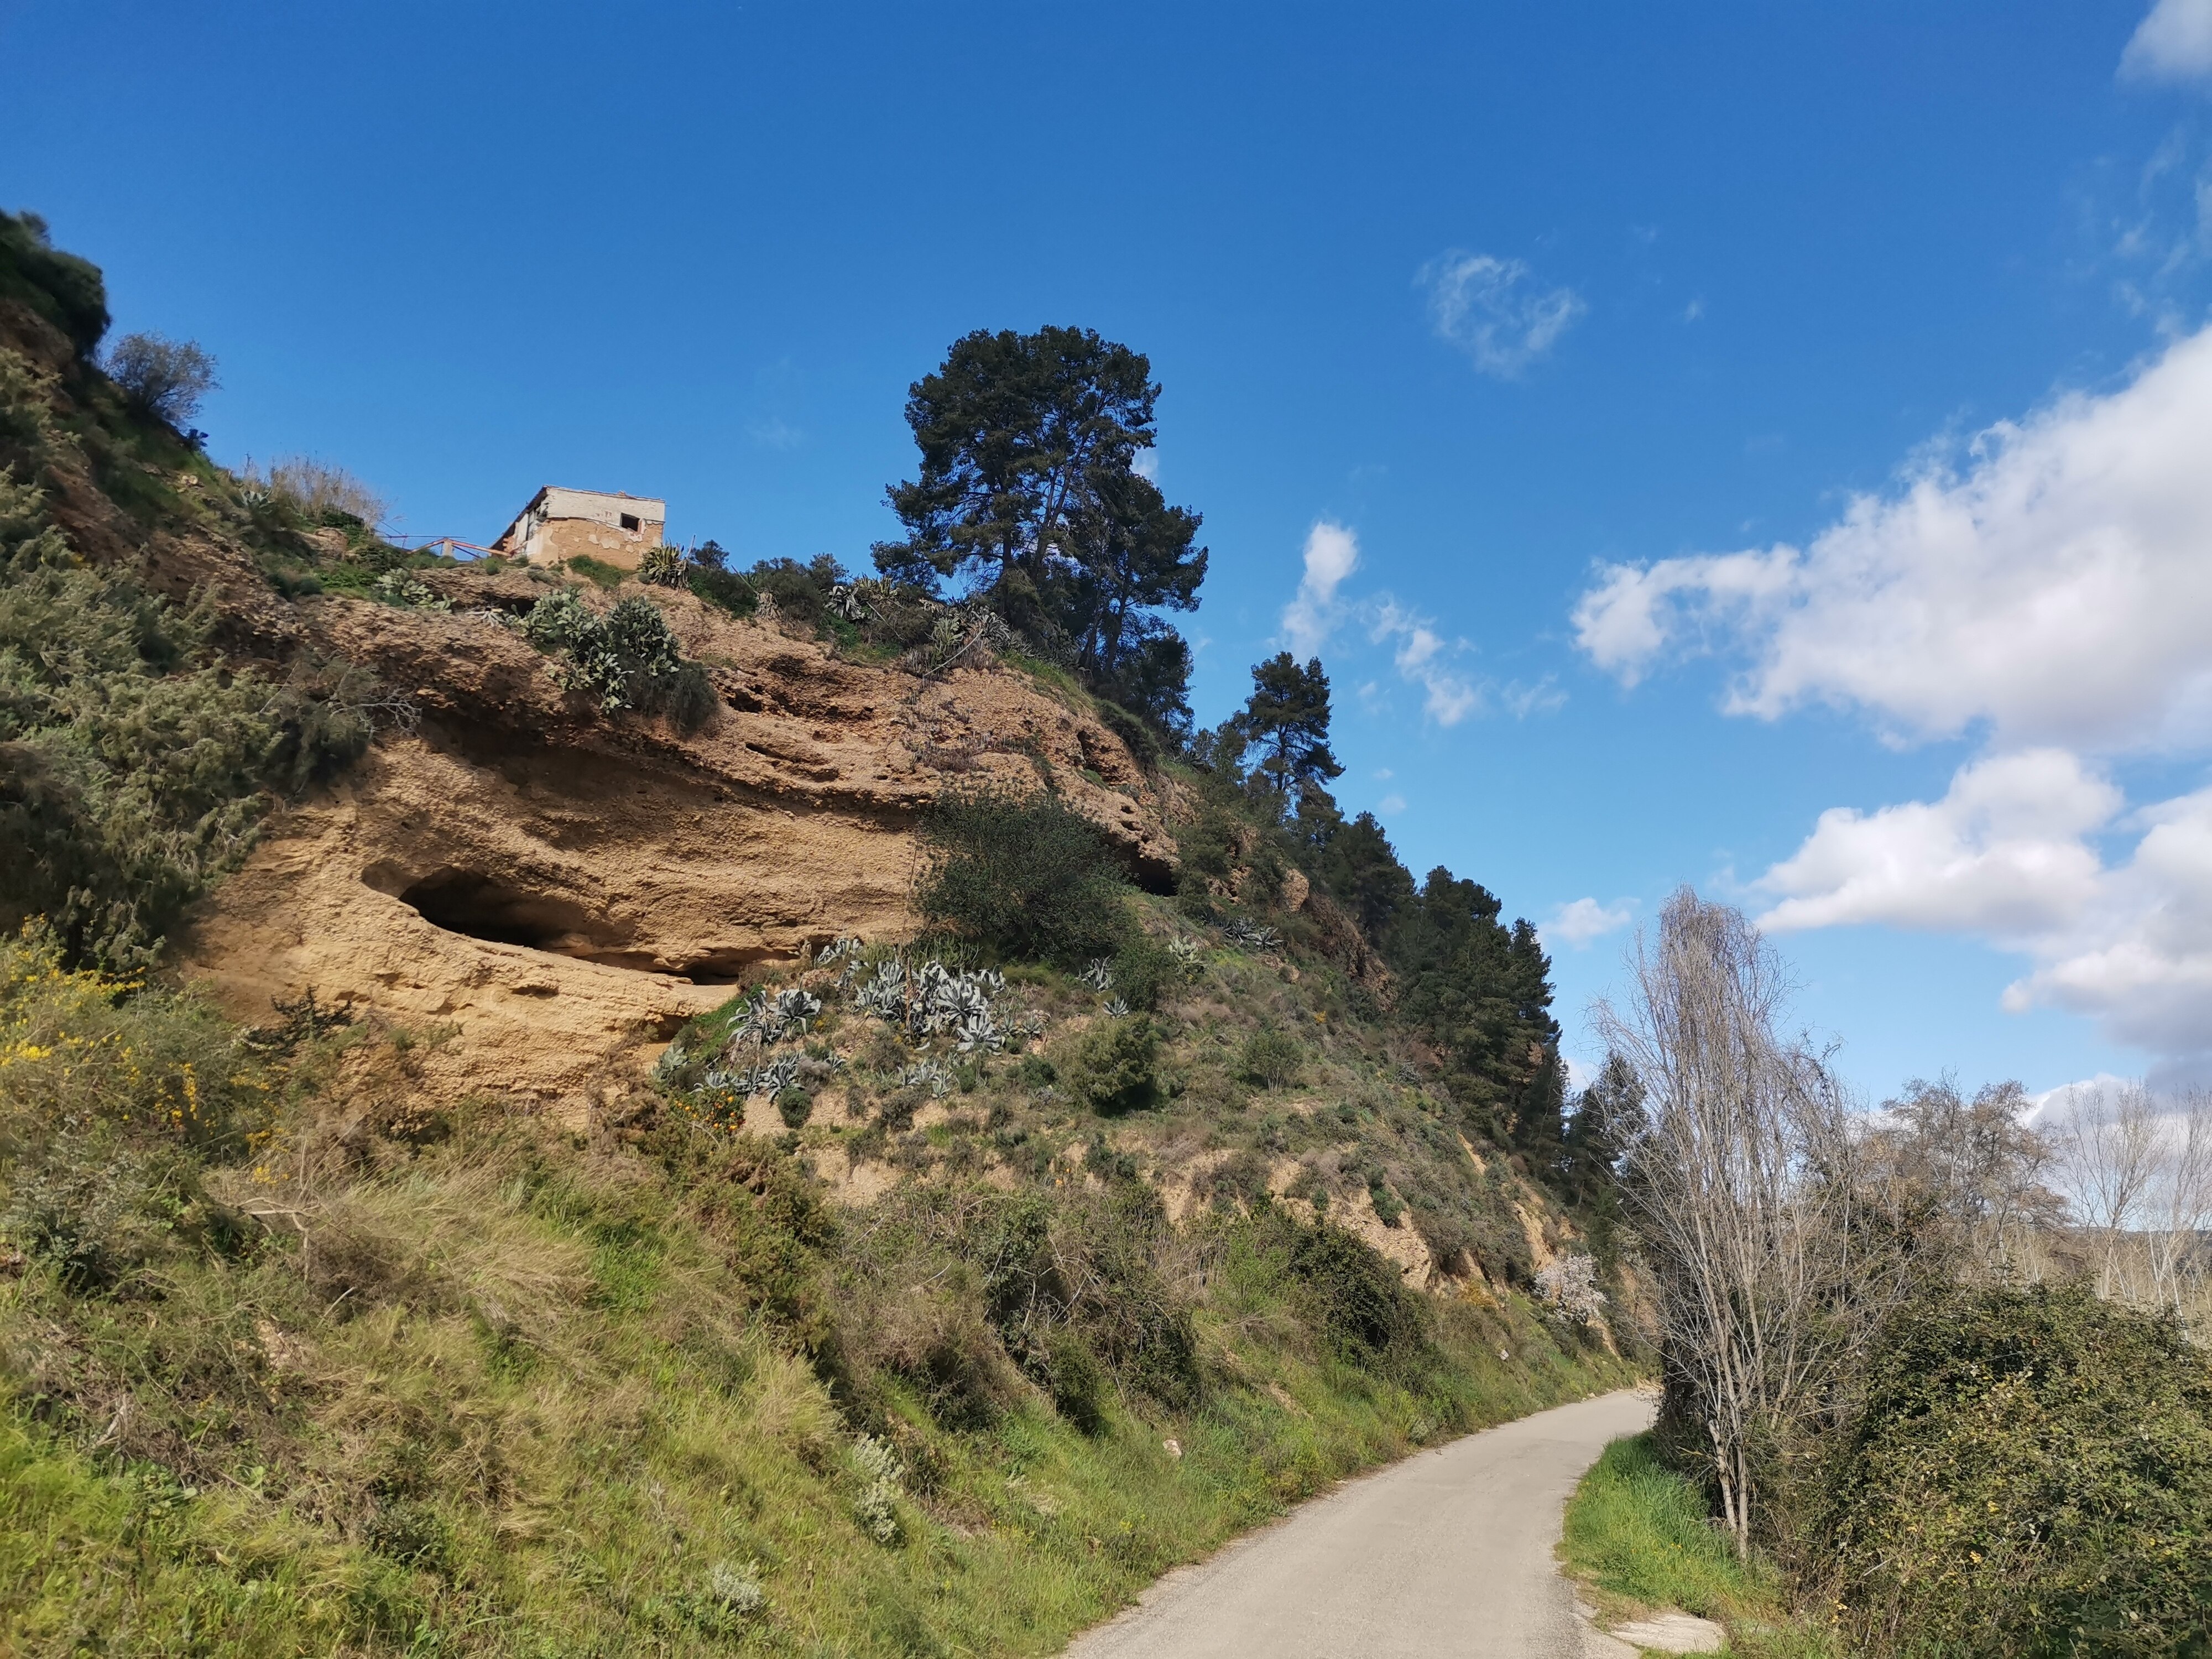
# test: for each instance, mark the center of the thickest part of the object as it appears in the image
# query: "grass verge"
(1637, 1536)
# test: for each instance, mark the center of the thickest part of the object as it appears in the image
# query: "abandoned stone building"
(562, 524)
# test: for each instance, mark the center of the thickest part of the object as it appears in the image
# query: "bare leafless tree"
(1967, 1180)
(2107, 1140)
(2137, 1168)
(2180, 1210)
(1740, 1187)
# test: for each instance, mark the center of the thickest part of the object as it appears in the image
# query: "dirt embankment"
(546, 891)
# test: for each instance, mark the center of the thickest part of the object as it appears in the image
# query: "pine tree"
(1287, 720)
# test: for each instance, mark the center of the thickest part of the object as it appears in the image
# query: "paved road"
(1447, 1553)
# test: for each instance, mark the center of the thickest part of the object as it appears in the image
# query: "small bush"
(1143, 970)
(130, 779)
(718, 586)
(1272, 1058)
(1025, 876)
(627, 659)
(1110, 1068)
(162, 377)
(312, 489)
(1076, 1380)
(599, 572)
(1354, 1297)
(85, 1055)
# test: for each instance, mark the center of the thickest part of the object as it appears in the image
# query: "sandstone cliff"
(545, 889)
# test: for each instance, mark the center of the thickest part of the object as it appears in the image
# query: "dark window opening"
(630, 521)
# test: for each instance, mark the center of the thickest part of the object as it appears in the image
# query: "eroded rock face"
(553, 890)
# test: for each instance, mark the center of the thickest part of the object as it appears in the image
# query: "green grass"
(598, 571)
(1638, 1533)
(552, 1424)
(499, 1390)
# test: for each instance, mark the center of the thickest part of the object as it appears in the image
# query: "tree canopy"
(1028, 494)
(1287, 720)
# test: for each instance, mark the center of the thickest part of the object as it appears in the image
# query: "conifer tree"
(1287, 720)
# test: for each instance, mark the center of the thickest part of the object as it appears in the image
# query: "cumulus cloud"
(2174, 43)
(1494, 310)
(1332, 554)
(2002, 854)
(2056, 586)
(2010, 853)
(2141, 961)
(1578, 923)
(2051, 591)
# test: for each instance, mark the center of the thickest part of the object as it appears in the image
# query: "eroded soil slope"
(545, 890)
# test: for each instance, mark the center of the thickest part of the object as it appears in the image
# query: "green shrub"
(1143, 968)
(725, 588)
(1024, 876)
(66, 290)
(1076, 1380)
(1352, 1296)
(1272, 1058)
(130, 779)
(1141, 740)
(1110, 1068)
(2031, 1474)
(599, 572)
(627, 658)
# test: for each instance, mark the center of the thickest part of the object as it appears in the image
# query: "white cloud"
(1391, 803)
(2058, 588)
(2008, 854)
(1491, 309)
(2002, 854)
(2141, 962)
(1422, 656)
(1147, 464)
(2174, 43)
(1421, 660)
(1544, 697)
(1578, 923)
(1332, 554)
(2052, 591)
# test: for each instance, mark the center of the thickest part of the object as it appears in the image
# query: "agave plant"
(409, 592)
(1099, 975)
(883, 992)
(845, 601)
(662, 565)
(932, 1000)
(933, 1075)
(1190, 959)
(762, 1018)
(1251, 935)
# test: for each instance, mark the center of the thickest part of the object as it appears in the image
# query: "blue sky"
(1539, 315)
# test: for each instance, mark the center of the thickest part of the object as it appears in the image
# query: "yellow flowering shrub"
(86, 1053)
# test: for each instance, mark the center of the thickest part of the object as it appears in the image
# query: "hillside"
(514, 1140)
